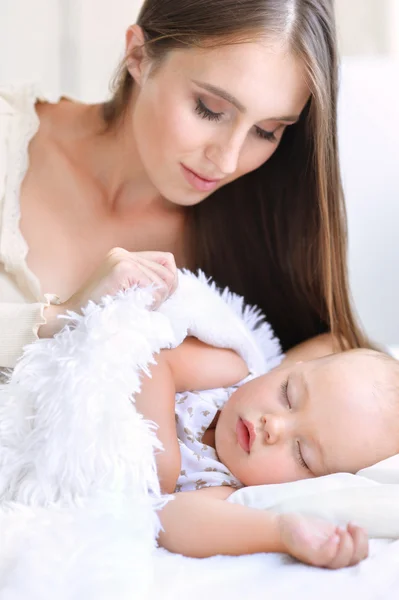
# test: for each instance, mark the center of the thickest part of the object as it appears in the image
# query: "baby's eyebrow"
(304, 384)
(315, 442)
(322, 462)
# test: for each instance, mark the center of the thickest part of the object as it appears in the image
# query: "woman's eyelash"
(205, 113)
(300, 457)
(265, 135)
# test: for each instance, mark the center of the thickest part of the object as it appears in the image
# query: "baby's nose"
(273, 427)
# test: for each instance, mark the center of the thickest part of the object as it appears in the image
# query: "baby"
(339, 413)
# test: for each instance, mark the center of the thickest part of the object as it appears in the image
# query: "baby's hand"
(322, 544)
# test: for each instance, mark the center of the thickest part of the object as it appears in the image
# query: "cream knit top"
(22, 301)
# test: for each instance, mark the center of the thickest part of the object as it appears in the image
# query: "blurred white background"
(73, 47)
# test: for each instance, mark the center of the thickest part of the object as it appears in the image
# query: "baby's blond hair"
(386, 385)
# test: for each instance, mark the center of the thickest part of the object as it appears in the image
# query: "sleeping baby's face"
(339, 413)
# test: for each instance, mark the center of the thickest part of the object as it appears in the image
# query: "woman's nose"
(273, 427)
(225, 155)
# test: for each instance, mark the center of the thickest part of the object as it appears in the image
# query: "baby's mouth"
(245, 434)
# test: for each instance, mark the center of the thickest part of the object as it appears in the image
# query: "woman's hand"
(322, 544)
(119, 271)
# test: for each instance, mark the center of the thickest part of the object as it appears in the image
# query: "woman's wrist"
(53, 324)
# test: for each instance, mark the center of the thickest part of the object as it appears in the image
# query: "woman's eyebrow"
(233, 100)
(222, 94)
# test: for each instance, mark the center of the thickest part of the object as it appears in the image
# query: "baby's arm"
(197, 366)
(156, 402)
(191, 366)
(201, 524)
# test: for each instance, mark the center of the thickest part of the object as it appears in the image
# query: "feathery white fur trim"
(77, 469)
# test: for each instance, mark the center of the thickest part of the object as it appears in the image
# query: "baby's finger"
(360, 543)
(327, 552)
(344, 552)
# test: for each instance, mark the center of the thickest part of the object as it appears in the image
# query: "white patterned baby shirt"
(200, 466)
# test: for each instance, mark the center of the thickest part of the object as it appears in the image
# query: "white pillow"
(369, 499)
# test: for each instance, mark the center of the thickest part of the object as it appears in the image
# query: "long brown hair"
(277, 235)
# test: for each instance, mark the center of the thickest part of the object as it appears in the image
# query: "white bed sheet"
(277, 577)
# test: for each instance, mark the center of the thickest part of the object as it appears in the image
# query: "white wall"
(95, 37)
(369, 140)
(73, 46)
(363, 26)
(68, 45)
(30, 38)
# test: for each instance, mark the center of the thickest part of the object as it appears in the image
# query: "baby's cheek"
(271, 469)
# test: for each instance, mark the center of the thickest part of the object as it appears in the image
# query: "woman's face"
(205, 117)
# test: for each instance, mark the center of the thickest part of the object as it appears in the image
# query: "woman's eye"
(204, 112)
(265, 135)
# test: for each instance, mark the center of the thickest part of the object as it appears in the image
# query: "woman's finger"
(168, 276)
(144, 277)
(163, 258)
(141, 275)
(167, 259)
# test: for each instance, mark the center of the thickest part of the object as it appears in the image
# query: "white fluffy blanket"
(78, 484)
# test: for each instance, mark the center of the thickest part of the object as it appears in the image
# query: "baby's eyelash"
(284, 392)
(300, 457)
(205, 113)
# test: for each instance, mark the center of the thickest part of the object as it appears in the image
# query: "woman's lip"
(251, 431)
(197, 181)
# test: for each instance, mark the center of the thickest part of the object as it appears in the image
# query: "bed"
(76, 524)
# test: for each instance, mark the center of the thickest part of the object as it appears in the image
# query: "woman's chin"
(184, 200)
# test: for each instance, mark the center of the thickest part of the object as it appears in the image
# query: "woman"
(219, 147)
